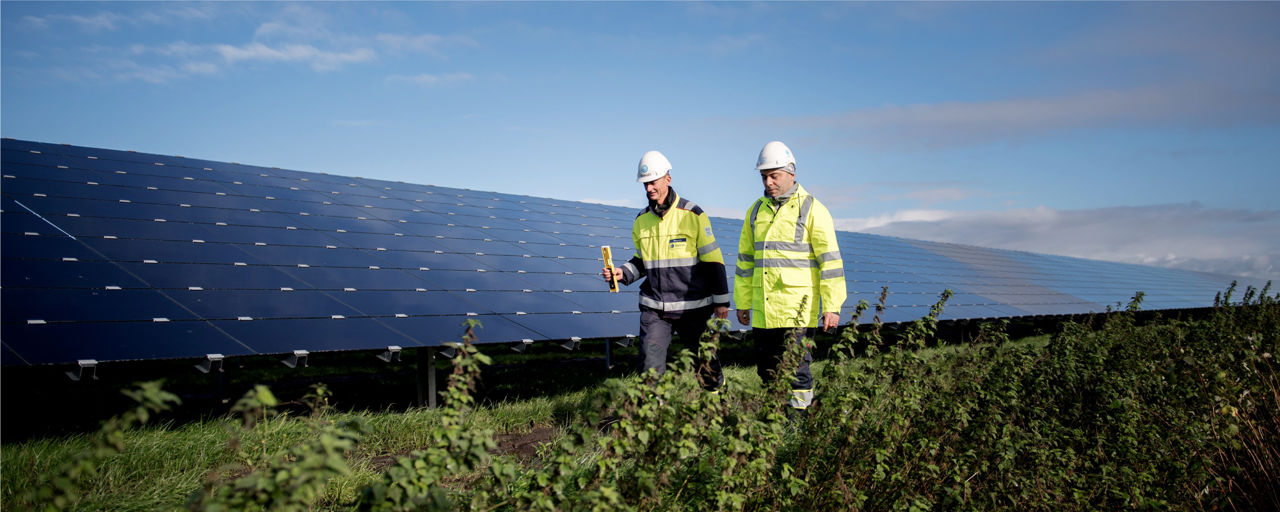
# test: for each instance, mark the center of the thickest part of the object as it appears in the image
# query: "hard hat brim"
(643, 180)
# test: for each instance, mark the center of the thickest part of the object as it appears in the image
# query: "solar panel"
(117, 255)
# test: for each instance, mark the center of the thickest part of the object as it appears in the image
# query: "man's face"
(776, 181)
(656, 190)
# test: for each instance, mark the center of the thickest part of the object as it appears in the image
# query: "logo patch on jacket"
(674, 242)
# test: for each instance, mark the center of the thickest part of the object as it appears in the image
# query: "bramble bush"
(1115, 411)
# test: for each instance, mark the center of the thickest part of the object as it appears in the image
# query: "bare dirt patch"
(524, 445)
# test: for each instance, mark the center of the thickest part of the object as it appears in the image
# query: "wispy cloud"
(95, 23)
(34, 23)
(319, 60)
(432, 44)
(430, 79)
(294, 34)
(1188, 236)
(148, 15)
(959, 123)
(128, 70)
(1233, 42)
(925, 193)
(297, 22)
(725, 44)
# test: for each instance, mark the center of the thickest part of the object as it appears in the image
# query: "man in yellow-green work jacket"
(787, 256)
(686, 281)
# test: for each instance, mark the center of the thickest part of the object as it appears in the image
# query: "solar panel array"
(118, 255)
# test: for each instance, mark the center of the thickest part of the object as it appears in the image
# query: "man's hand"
(744, 317)
(830, 320)
(722, 312)
(606, 272)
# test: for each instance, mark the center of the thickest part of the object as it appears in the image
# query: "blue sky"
(1135, 132)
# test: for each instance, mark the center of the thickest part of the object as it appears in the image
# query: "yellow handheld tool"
(608, 263)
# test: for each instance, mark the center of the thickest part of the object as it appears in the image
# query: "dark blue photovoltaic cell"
(89, 305)
(209, 276)
(114, 341)
(124, 249)
(513, 302)
(35, 239)
(528, 264)
(599, 300)
(312, 334)
(356, 278)
(41, 274)
(560, 281)
(242, 259)
(431, 261)
(586, 325)
(437, 330)
(410, 302)
(258, 304)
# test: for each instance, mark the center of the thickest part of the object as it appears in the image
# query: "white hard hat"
(652, 166)
(774, 155)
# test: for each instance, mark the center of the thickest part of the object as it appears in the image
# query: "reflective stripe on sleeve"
(829, 256)
(754, 212)
(674, 262)
(786, 263)
(746, 258)
(745, 272)
(721, 299)
(629, 271)
(835, 272)
(683, 305)
(783, 246)
(804, 214)
(709, 248)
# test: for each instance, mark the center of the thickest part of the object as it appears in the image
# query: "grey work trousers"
(770, 344)
(656, 328)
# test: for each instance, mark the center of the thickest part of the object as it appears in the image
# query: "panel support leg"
(426, 377)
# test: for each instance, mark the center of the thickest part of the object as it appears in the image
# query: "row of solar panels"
(115, 255)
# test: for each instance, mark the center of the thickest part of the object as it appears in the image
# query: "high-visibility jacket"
(680, 257)
(787, 253)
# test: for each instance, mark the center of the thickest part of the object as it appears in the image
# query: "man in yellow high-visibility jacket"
(787, 255)
(679, 256)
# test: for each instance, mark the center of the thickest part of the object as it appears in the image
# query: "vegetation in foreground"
(1107, 414)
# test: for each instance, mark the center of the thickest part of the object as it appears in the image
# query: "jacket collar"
(661, 209)
(796, 191)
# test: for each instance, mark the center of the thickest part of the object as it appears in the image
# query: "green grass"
(1090, 418)
(163, 464)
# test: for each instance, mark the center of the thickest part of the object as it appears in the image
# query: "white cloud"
(946, 124)
(1187, 236)
(97, 22)
(181, 11)
(867, 224)
(734, 44)
(422, 43)
(34, 22)
(74, 74)
(296, 22)
(319, 60)
(127, 71)
(430, 79)
(1233, 41)
(200, 68)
